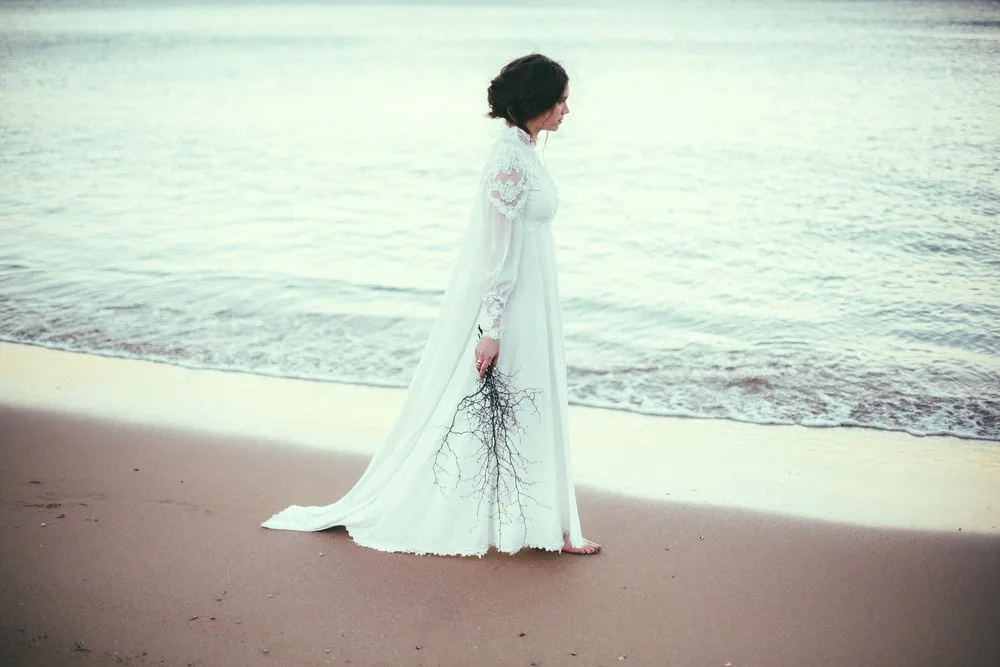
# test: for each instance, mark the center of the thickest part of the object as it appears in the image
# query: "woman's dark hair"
(525, 89)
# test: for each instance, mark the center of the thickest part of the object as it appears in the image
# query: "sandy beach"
(132, 495)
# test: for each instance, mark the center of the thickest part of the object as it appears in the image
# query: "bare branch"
(492, 418)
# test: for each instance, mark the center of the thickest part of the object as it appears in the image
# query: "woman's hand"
(487, 352)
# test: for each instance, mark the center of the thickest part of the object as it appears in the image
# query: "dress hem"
(480, 552)
(556, 547)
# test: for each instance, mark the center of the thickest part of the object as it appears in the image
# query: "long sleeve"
(506, 189)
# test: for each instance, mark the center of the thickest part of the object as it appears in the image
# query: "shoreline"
(865, 477)
(573, 404)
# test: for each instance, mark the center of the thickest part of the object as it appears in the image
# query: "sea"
(771, 211)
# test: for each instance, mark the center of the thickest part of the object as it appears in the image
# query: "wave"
(624, 402)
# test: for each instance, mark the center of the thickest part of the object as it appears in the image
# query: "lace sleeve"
(506, 188)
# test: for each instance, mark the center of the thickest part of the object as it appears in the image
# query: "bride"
(479, 454)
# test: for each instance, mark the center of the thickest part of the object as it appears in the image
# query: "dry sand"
(151, 551)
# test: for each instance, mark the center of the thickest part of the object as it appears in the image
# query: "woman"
(479, 456)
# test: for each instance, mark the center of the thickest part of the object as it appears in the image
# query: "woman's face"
(553, 118)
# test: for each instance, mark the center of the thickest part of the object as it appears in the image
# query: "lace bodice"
(518, 182)
(521, 199)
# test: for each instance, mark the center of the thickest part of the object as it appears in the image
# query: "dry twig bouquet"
(492, 416)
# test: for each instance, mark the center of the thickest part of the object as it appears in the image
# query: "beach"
(227, 228)
(133, 493)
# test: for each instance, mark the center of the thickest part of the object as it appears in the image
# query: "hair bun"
(525, 88)
(498, 98)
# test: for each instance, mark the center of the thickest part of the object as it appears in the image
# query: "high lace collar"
(520, 135)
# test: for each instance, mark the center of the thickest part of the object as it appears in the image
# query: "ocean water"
(776, 212)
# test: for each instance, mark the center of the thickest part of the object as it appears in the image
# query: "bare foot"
(587, 548)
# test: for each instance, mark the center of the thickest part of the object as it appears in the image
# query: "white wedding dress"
(419, 496)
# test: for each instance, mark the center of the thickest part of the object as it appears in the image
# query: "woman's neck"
(523, 134)
(533, 129)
